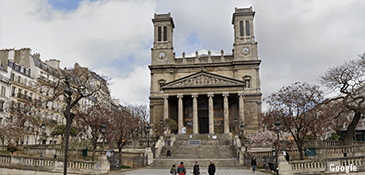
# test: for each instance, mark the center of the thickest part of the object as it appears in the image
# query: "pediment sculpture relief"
(202, 80)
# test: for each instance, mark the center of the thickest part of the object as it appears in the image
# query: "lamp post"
(242, 127)
(161, 121)
(148, 134)
(277, 128)
(43, 126)
(67, 91)
(103, 130)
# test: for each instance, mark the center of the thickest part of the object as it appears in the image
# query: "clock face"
(245, 50)
(162, 55)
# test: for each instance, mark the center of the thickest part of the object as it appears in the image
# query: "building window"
(159, 34)
(247, 80)
(13, 91)
(241, 28)
(2, 106)
(3, 91)
(247, 28)
(12, 76)
(165, 33)
(19, 78)
(10, 64)
(16, 66)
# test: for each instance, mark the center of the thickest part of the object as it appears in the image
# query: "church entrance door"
(203, 125)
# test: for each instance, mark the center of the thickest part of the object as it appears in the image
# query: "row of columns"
(211, 111)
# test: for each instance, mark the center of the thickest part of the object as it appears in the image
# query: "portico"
(202, 102)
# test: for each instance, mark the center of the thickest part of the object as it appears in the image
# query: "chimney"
(53, 63)
(37, 55)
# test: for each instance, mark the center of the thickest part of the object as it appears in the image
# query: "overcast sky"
(297, 40)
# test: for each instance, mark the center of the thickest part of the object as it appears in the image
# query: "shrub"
(12, 148)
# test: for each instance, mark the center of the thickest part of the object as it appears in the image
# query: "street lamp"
(103, 130)
(67, 91)
(43, 126)
(277, 128)
(148, 134)
(242, 127)
(161, 121)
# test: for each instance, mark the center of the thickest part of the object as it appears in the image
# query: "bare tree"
(123, 127)
(89, 120)
(294, 107)
(348, 79)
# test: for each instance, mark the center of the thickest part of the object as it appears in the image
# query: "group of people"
(181, 170)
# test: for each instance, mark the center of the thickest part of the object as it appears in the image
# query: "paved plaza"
(220, 171)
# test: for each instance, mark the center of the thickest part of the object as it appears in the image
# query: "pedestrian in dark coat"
(196, 169)
(181, 169)
(253, 163)
(211, 168)
(173, 170)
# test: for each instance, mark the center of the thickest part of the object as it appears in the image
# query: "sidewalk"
(203, 171)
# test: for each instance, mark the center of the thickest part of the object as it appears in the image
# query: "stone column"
(241, 106)
(211, 113)
(180, 112)
(165, 106)
(195, 113)
(226, 112)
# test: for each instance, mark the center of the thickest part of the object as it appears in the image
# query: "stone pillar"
(226, 112)
(284, 166)
(148, 152)
(180, 112)
(241, 107)
(211, 113)
(195, 113)
(165, 106)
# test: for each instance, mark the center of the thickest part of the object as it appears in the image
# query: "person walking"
(181, 170)
(211, 168)
(196, 169)
(253, 164)
(173, 170)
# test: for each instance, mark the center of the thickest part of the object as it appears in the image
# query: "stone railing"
(204, 59)
(325, 166)
(38, 161)
(308, 165)
(10, 164)
(159, 146)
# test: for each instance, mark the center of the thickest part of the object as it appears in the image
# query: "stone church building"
(206, 91)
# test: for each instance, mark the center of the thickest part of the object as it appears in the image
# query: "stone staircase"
(220, 150)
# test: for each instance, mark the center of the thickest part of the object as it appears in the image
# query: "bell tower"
(162, 51)
(245, 46)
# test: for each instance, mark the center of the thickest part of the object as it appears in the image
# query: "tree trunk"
(120, 155)
(349, 134)
(301, 152)
(94, 148)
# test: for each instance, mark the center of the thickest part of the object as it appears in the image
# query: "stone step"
(189, 163)
(200, 152)
(203, 142)
(203, 137)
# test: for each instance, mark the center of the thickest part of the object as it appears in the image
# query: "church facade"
(206, 92)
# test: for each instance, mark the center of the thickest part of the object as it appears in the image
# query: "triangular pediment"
(203, 79)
